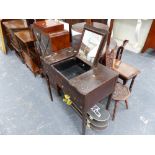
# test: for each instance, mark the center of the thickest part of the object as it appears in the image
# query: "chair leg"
(126, 102)
(114, 112)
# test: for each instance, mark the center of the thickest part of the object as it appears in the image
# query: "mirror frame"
(104, 34)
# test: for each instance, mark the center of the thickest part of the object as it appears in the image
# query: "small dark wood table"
(126, 73)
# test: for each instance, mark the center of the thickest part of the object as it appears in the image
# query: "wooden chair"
(121, 93)
(110, 56)
(120, 50)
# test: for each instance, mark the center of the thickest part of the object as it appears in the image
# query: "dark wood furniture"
(121, 93)
(30, 56)
(111, 43)
(80, 26)
(11, 27)
(50, 36)
(56, 41)
(85, 82)
(120, 50)
(75, 21)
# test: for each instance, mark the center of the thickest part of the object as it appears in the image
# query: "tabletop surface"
(126, 70)
(56, 57)
(15, 24)
(25, 36)
(92, 79)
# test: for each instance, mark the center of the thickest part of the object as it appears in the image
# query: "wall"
(134, 30)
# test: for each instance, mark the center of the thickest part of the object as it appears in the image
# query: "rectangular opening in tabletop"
(72, 67)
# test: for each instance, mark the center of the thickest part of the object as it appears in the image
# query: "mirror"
(90, 45)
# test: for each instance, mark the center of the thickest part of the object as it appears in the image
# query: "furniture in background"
(121, 93)
(73, 22)
(30, 56)
(150, 41)
(114, 54)
(99, 24)
(77, 26)
(50, 36)
(11, 27)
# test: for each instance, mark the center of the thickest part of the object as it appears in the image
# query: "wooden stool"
(121, 93)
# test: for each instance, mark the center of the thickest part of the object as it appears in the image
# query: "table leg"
(49, 88)
(131, 84)
(83, 122)
(109, 101)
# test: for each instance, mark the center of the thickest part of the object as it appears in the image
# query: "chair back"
(121, 50)
(110, 57)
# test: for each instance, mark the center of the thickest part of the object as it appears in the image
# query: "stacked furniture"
(30, 55)
(50, 36)
(20, 39)
(11, 27)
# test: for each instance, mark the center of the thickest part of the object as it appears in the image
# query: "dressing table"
(80, 76)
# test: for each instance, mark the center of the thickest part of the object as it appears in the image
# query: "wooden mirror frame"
(103, 33)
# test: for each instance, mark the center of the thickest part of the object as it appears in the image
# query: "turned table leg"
(131, 84)
(49, 88)
(83, 122)
(114, 112)
(109, 101)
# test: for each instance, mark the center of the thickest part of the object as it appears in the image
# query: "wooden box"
(41, 30)
(54, 42)
(10, 28)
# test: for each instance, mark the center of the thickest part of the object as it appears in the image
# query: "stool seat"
(121, 92)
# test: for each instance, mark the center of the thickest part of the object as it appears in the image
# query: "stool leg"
(116, 103)
(126, 102)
